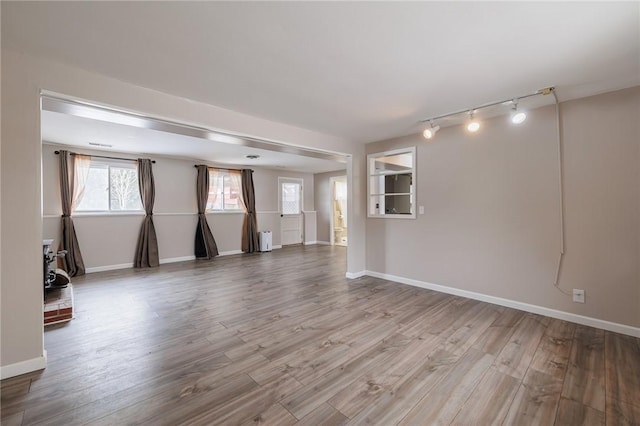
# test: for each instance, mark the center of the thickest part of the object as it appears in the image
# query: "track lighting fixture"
(430, 131)
(517, 117)
(473, 125)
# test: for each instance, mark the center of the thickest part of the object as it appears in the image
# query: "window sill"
(391, 216)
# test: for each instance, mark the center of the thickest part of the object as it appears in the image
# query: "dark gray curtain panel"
(72, 262)
(147, 247)
(205, 245)
(250, 241)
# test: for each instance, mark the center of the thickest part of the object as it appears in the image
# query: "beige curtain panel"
(147, 247)
(250, 241)
(205, 245)
(215, 187)
(74, 170)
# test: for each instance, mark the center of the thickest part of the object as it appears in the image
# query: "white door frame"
(332, 197)
(282, 179)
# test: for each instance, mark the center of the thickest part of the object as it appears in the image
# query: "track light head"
(517, 117)
(473, 125)
(431, 131)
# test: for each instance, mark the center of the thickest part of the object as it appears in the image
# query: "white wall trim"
(106, 214)
(177, 259)
(130, 265)
(354, 275)
(540, 310)
(176, 214)
(309, 243)
(230, 252)
(324, 243)
(23, 367)
(162, 261)
(108, 267)
(222, 212)
(85, 215)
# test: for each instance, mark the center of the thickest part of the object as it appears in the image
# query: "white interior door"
(290, 203)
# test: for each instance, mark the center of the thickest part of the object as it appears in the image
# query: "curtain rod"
(221, 168)
(102, 156)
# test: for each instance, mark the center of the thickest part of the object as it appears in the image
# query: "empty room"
(320, 213)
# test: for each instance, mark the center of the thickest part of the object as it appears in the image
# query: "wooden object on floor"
(58, 305)
(283, 338)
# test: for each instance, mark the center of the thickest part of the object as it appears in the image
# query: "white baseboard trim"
(309, 243)
(230, 252)
(355, 275)
(108, 268)
(177, 259)
(162, 261)
(540, 310)
(130, 265)
(324, 243)
(24, 367)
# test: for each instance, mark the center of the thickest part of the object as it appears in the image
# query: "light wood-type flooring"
(283, 338)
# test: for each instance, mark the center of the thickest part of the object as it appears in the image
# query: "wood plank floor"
(283, 338)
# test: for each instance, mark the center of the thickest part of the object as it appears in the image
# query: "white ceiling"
(362, 70)
(74, 131)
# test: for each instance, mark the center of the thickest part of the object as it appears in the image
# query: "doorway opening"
(339, 211)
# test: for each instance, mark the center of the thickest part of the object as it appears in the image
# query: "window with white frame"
(224, 191)
(391, 183)
(291, 193)
(111, 186)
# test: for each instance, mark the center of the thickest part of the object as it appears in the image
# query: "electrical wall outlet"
(578, 295)
(421, 210)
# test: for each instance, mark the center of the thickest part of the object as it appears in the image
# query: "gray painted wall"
(107, 240)
(491, 222)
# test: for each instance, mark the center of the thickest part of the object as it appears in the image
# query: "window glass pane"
(125, 194)
(216, 198)
(96, 192)
(231, 194)
(397, 204)
(397, 184)
(290, 198)
(390, 204)
(224, 192)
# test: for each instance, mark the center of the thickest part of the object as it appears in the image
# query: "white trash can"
(265, 241)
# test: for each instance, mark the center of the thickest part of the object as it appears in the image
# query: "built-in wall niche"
(391, 183)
